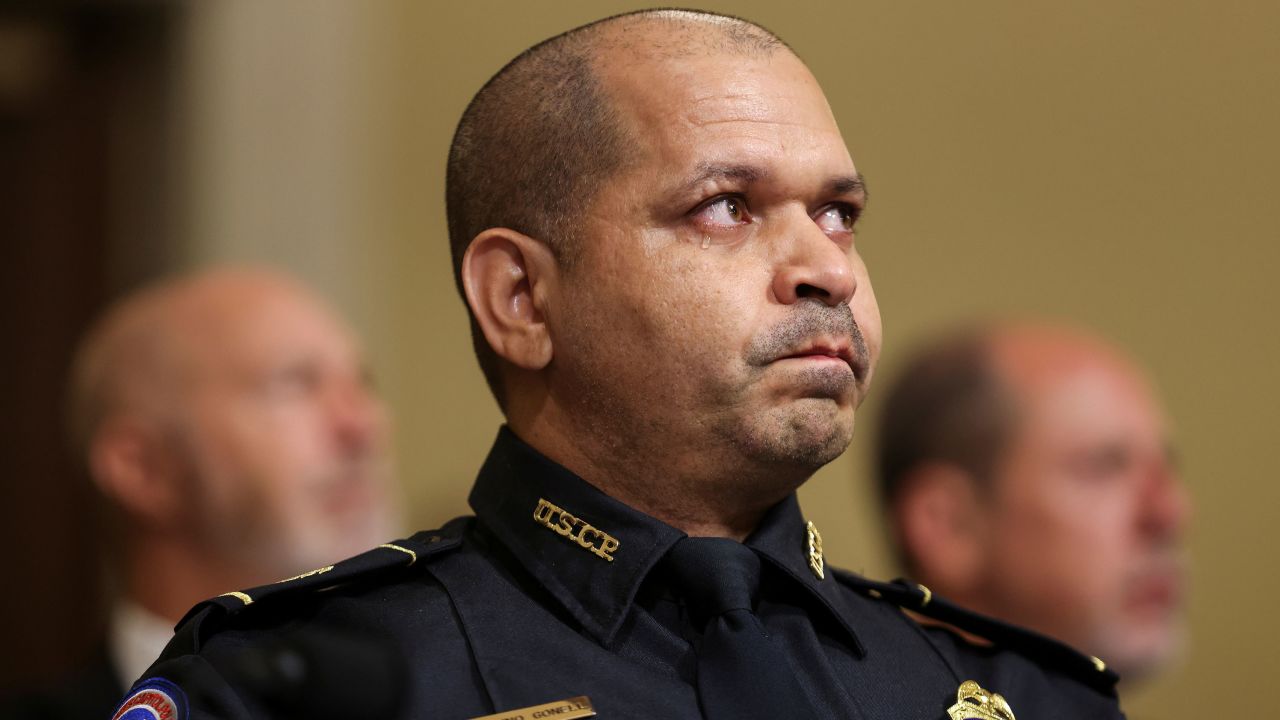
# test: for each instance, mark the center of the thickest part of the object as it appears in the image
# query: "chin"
(1139, 647)
(807, 438)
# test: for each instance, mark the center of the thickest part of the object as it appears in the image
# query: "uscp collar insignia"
(974, 703)
(155, 699)
(598, 542)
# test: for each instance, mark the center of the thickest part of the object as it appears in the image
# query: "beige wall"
(1111, 163)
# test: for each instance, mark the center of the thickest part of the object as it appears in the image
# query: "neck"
(697, 486)
(167, 578)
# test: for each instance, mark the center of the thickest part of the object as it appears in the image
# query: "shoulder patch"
(399, 555)
(1050, 652)
(154, 699)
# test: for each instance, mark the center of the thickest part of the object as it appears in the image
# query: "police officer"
(652, 221)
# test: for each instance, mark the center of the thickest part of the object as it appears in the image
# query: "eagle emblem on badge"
(974, 703)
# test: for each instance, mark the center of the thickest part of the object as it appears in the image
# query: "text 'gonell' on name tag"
(578, 707)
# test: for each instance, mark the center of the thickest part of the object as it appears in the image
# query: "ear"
(941, 527)
(132, 466)
(507, 276)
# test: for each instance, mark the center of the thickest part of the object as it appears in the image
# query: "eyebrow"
(841, 185)
(849, 185)
(713, 171)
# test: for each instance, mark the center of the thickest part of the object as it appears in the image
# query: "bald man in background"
(227, 419)
(1028, 475)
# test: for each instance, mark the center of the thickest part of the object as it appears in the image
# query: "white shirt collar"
(135, 638)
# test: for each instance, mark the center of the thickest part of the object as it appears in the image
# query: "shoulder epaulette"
(1043, 649)
(411, 552)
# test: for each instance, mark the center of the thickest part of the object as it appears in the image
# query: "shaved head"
(542, 136)
(227, 418)
(139, 353)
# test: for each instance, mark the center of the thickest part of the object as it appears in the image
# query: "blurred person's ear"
(940, 524)
(508, 277)
(136, 470)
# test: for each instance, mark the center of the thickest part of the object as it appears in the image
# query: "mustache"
(809, 320)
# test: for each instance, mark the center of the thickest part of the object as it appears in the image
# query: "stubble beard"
(801, 438)
(668, 442)
(809, 431)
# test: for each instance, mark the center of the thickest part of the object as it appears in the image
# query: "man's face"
(718, 308)
(1089, 516)
(286, 445)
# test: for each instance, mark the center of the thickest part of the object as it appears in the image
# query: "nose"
(1166, 506)
(813, 266)
(356, 415)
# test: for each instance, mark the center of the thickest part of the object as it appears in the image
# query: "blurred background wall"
(1108, 163)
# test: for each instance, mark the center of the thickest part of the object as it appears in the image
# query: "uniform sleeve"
(184, 688)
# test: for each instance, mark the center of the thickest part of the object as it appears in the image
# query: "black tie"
(742, 672)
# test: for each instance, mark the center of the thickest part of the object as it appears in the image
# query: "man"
(227, 419)
(1027, 473)
(652, 223)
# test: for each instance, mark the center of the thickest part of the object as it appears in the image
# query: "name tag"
(554, 517)
(578, 707)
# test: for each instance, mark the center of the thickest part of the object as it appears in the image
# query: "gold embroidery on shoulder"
(413, 556)
(239, 596)
(317, 571)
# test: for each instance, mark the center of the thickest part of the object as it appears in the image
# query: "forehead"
(1082, 397)
(254, 327)
(683, 108)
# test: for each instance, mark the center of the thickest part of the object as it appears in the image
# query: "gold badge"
(816, 563)
(578, 707)
(599, 542)
(974, 703)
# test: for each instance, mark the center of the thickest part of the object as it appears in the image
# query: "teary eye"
(727, 211)
(836, 219)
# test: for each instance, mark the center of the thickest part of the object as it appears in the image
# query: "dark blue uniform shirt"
(554, 592)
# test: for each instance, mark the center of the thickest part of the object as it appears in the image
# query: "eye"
(836, 219)
(292, 380)
(723, 212)
(1103, 463)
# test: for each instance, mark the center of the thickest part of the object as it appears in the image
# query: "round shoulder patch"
(155, 699)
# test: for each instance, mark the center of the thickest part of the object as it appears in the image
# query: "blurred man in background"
(1027, 474)
(228, 421)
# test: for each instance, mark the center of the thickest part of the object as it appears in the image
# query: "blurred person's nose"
(356, 415)
(1165, 504)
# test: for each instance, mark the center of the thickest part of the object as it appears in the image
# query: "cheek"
(684, 308)
(1064, 541)
(265, 447)
(866, 311)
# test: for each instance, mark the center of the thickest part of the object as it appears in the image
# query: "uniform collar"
(592, 552)
(782, 539)
(564, 531)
